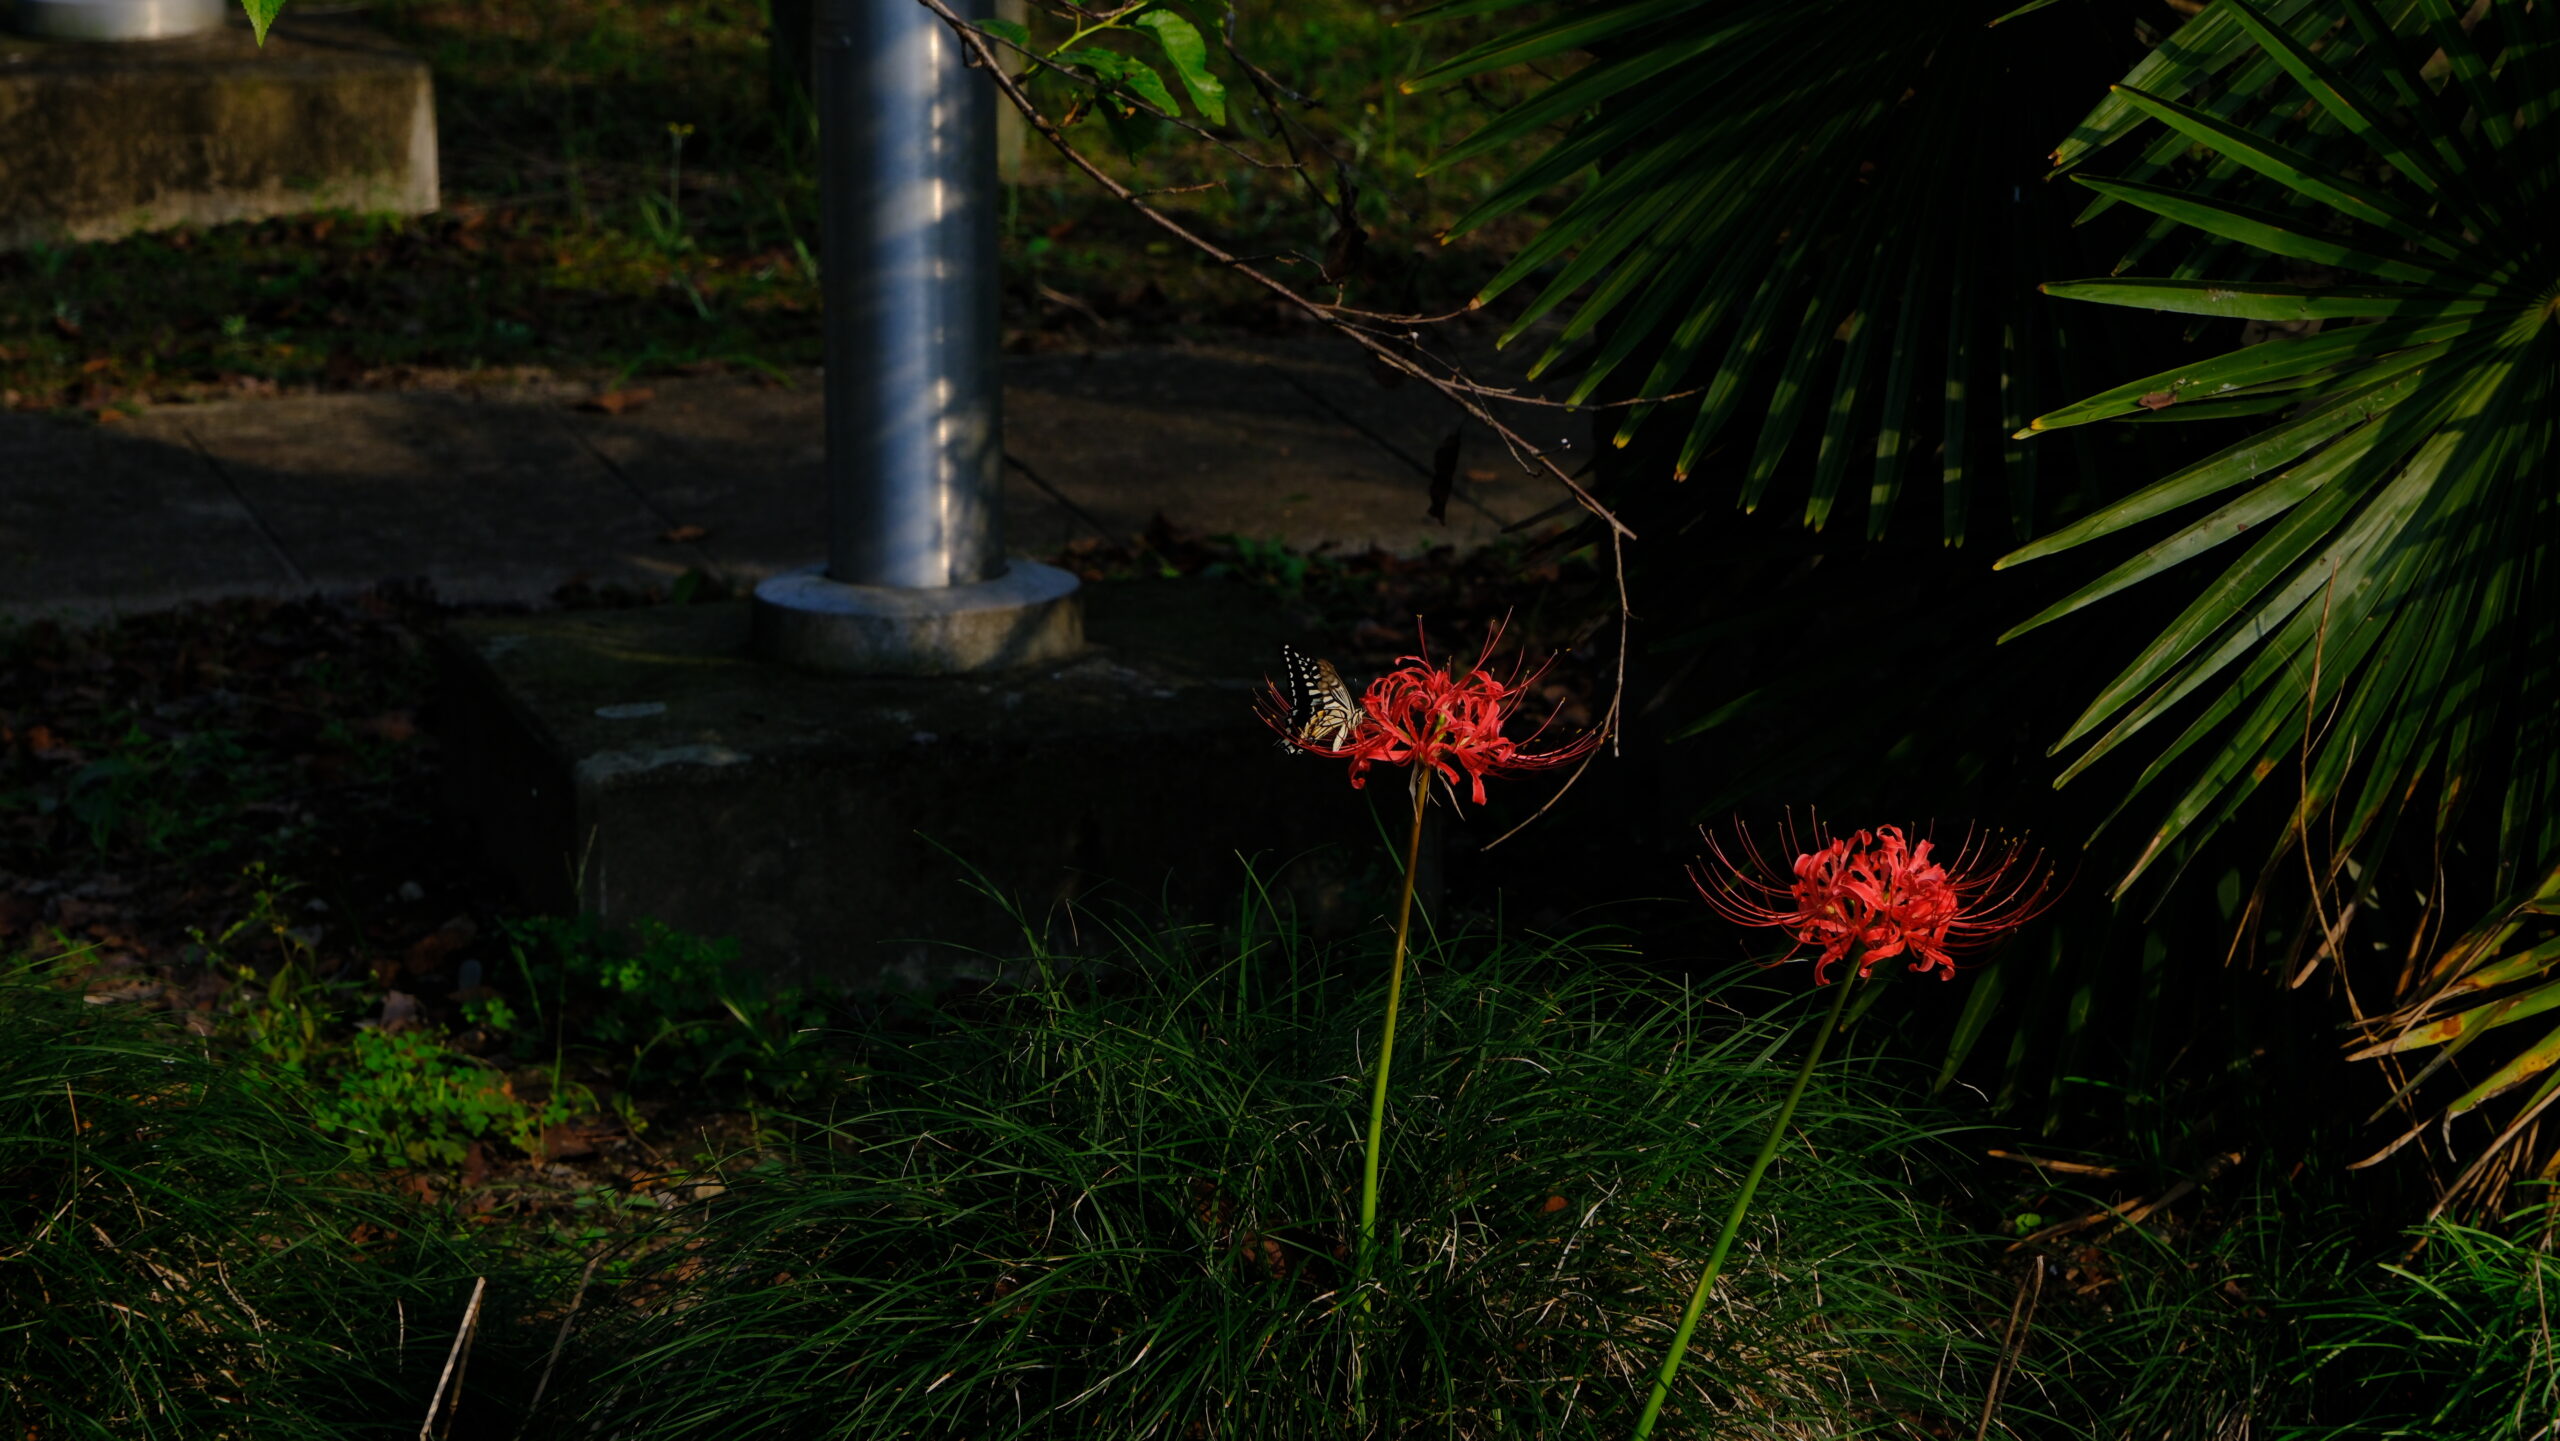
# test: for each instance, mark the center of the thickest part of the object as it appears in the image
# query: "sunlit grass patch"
(1121, 1202)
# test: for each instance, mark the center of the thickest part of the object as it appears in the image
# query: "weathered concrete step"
(104, 140)
(640, 764)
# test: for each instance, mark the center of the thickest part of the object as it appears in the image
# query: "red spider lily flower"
(1422, 714)
(1873, 895)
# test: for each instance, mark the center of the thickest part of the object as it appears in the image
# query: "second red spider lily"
(1435, 721)
(1876, 895)
(1866, 897)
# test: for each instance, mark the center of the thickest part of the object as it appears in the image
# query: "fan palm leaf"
(2385, 632)
(1793, 256)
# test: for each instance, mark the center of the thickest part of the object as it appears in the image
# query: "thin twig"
(453, 1361)
(977, 43)
(1609, 719)
(1041, 483)
(2022, 1314)
(2132, 1215)
(2041, 1163)
(562, 1339)
(1455, 387)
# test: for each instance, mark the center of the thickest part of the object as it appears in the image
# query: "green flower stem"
(1387, 1042)
(1741, 1203)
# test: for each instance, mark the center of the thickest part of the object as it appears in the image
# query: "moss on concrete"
(106, 140)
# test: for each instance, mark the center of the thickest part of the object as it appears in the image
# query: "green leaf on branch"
(1143, 82)
(262, 13)
(1010, 32)
(1132, 78)
(1190, 56)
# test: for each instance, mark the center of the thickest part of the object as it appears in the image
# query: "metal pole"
(915, 581)
(118, 19)
(915, 451)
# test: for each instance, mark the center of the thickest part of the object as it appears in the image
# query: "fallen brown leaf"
(685, 534)
(617, 402)
(567, 1142)
(429, 952)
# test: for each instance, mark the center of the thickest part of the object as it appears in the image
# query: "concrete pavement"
(503, 493)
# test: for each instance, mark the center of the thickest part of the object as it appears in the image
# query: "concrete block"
(640, 763)
(98, 141)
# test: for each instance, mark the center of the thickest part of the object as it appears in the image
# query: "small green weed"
(2455, 1339)
(408, 1095)
(649, 1009)
(164, 793)
(412, 1096)
(669, 1008)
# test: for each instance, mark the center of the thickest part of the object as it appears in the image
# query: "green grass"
(185, 1256)
(2452, 1339)
(1119, 1202)
(597, 1020)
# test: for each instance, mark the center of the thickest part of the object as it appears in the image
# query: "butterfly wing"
(1321, 710)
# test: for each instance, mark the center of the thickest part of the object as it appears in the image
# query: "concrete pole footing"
(1029, 615)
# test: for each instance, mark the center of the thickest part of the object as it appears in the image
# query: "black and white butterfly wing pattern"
(1321, 710)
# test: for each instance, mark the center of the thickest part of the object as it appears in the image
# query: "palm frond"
(1780, 208)
(2387, 632)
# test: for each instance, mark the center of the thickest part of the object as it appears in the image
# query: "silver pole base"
(117, 19)
(1030, 615)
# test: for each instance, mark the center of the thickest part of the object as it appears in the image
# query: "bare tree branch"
(1460, 394)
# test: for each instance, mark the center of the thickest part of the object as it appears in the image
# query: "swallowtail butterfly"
(1321, 710)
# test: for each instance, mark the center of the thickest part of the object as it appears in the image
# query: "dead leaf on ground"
(567, 1142)
(685, 534)
(392, 725)
(429, 952)
(618, 402)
